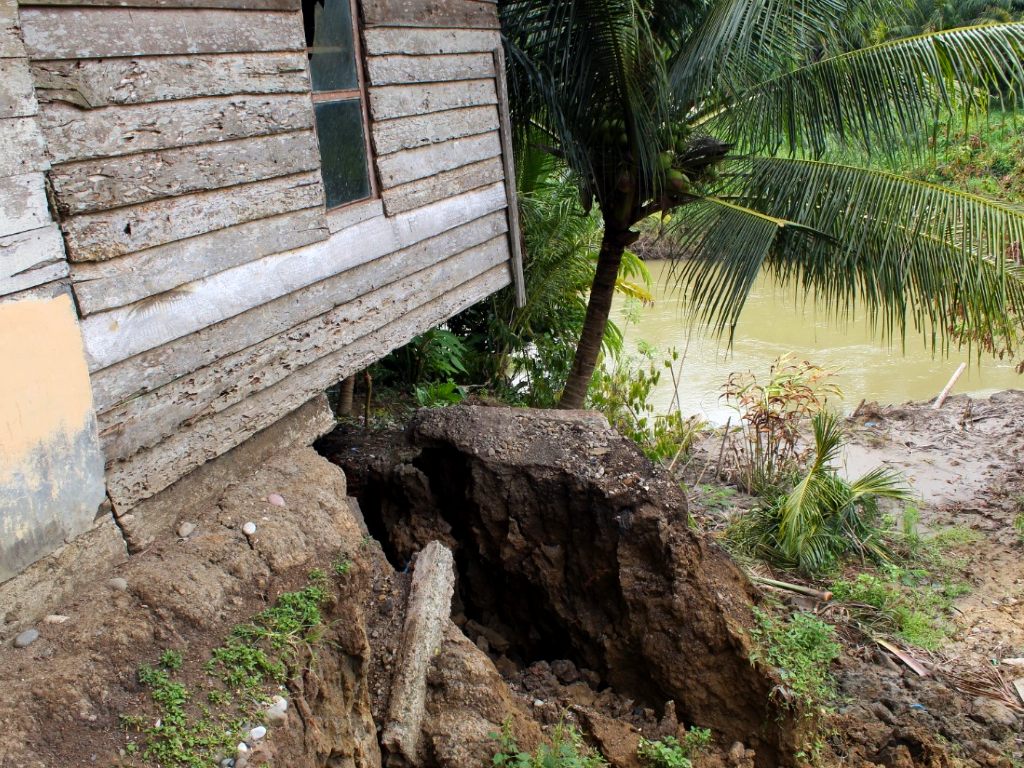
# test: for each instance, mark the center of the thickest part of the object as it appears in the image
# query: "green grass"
(801, 648)
(239, 672)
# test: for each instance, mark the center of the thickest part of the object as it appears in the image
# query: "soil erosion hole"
(570, 545)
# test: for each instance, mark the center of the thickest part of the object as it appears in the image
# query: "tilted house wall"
(216, 295)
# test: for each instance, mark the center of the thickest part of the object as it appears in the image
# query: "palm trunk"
(599, 308)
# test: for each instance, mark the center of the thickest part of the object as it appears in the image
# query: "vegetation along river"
(773, 323)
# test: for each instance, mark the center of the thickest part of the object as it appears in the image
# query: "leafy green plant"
(1018, 525)
(622, 392)
(566, 749)
(801, 648)
(773, 416)
(437, 394)
(670, 753)
(824, 516)
(342, 566)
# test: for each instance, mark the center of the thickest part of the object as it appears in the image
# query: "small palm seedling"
(824, 516)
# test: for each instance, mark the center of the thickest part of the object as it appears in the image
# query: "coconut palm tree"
(764, 127)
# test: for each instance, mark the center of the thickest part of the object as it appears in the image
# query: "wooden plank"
(17, 99)
(148, 472)
(156, 367)
(113, 32)
(391, 101)
(75, 134)
(126, 331)
(430, 13)
(22, 143)
(22, 204)
(99, 236)
(514, 232)
(10, 37)
(144, 421)
(350, 215)
(244, 5)
(419, 130)
(425, 191)
(403, 167)
(399, 70)
(101, 285)
(31, 258)
(96, 185)
(8, 11)
(425, 42)
(107, 82)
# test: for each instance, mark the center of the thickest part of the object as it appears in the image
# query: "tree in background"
(740, 117)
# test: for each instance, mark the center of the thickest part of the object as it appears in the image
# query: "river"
(775, 322)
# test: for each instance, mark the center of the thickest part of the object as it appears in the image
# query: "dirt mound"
(571, 545)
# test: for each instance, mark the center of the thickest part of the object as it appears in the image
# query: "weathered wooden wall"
(217, 295)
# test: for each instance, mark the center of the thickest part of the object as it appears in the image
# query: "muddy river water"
(774, 322)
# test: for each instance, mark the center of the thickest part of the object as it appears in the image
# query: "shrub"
(669, 752)
(823, 516)
(801, 649)
(566, 750)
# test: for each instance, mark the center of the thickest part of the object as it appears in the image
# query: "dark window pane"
(339, 126)
(332, 61)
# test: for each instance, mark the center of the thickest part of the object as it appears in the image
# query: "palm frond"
(911, 250)
(883, 98)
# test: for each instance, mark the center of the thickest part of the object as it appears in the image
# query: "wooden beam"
(31, 258)
(73, 134)
(17, 99)
(143, 422)
(443, 185)
(97, 185)
(515, 236)
(403, 70)
(22, 144)
(95, 83)
(391, 101)
(101, 285)
(150, 471)
(156, 367)
(410, 165)
(22, 203)
(436, 14)
(419, 130)
(243, 5)
(120, 333)
(105, 235)
(113, 32)
(427, 42)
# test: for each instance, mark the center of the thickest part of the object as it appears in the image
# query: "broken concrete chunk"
(430, 598)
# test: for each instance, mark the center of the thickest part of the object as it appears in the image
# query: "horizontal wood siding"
(90, 33)
(108, 82)
(216, 292)
(150, 471)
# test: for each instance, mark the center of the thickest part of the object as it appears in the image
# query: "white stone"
(257, 733)
(249, 528)
(55, 618)
(186, 529)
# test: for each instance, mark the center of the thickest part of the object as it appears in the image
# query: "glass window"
(339, 100)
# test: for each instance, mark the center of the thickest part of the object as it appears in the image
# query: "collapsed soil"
(588, 640)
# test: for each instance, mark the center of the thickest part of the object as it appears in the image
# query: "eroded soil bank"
(582, 594)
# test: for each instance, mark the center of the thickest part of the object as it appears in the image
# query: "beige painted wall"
(51, 468)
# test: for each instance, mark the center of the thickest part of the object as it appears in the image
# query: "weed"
(670, 753)
(1018, 526)
(187, 734)
(566, 750)
(801, 649)
(170, 659)
(622, 392)
(714, 497)
(438, 394)
(342, 566)
(906, 602)
(772, 416)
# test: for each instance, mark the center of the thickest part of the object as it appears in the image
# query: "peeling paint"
(51, 468)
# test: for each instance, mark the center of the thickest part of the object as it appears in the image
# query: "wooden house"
(210, 212)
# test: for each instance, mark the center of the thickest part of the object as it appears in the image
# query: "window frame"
(348, 94)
